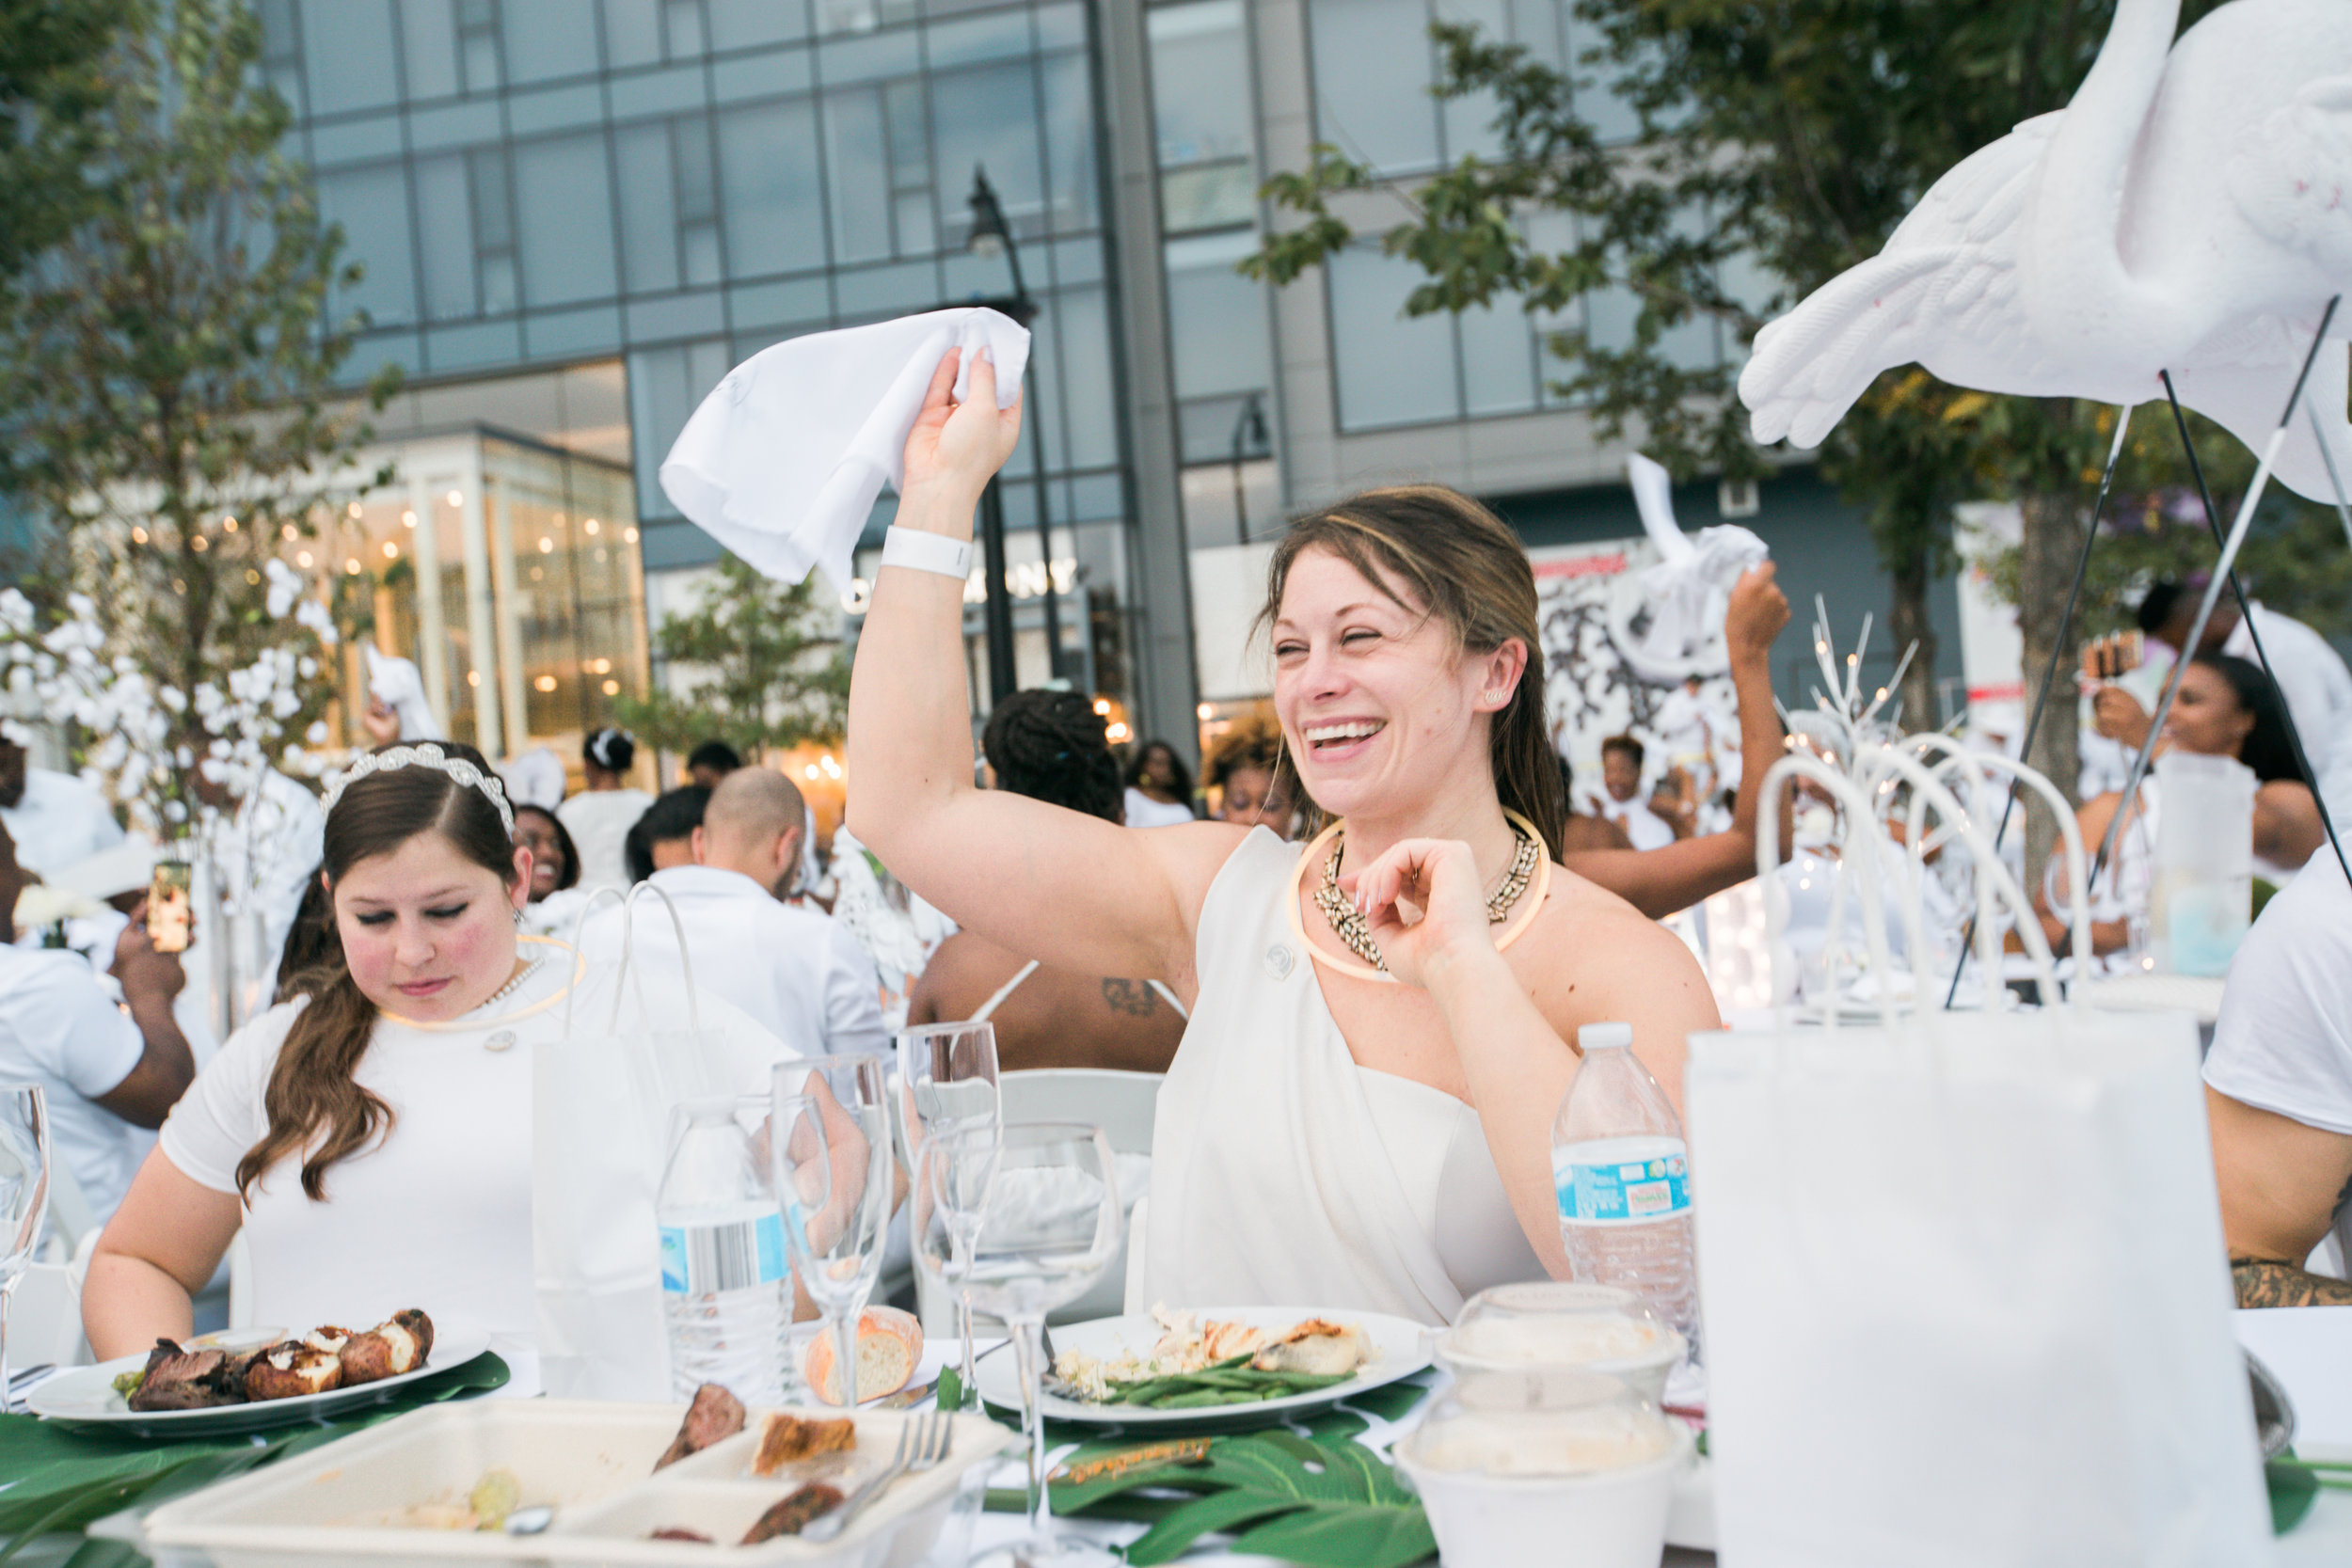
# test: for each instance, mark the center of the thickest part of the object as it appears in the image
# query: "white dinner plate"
(85, 1397)
(1400, 1348)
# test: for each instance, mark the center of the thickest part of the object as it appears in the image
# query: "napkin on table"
(784, 459)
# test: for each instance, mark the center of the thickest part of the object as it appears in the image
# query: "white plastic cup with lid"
(1558, 1324)
(1568, 1469)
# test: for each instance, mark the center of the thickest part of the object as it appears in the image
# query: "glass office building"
(576, 215)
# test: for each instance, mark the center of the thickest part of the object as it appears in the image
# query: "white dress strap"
(988, 1008)
(1169, 997)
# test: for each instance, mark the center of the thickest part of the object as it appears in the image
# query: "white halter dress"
(1283, 1174)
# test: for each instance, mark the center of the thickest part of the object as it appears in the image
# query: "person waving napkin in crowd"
(1359, 1113)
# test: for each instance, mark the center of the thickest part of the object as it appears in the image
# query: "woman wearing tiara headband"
(372, 1135)
(1360, 1115)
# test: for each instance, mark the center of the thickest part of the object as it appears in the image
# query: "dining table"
(2309, 1349)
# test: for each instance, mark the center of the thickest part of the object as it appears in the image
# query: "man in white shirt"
(2278, 1096)
(110, 1078)
(1621, 758)
(55, 818)
(796, 971)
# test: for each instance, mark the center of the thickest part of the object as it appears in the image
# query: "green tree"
(168, 368)
(759, 672)
(1779, 144)
(51, 90)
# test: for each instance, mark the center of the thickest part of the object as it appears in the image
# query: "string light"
(544, 683)
(612, 688)
(392, 551)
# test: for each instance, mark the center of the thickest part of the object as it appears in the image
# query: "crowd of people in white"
(1362, 1053)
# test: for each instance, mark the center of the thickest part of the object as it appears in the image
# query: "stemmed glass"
(830, 1150)
(1050, 1224)
(947, 1078)
(24, 1196)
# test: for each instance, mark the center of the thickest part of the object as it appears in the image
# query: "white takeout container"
(1598, 1328)
(1592, 1513)
(594, 1461)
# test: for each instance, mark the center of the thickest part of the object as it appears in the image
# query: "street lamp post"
(991, 235)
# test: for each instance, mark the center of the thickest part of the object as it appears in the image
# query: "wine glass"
(1050, 1225)
(24, 1196)
(830, 1150)
(948, 1079)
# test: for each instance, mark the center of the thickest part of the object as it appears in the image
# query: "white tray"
(593, 1461)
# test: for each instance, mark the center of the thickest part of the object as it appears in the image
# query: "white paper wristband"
(927, 552)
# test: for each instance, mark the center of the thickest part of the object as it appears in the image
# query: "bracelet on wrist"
(927, 552)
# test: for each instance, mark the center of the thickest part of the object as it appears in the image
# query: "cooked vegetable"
(128, 1384)
(1230, 1382)
(496, 1494)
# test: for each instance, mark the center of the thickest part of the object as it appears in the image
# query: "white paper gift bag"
(634, 1045)
(1966, 1296)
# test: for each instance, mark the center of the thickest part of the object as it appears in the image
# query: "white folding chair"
(1122, 1105)
(240, 1262)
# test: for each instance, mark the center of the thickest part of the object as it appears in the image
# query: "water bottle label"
(1624, 1193)
(708, 1258)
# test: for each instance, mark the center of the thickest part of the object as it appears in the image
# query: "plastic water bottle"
(1621, 1170)
(725, 1281)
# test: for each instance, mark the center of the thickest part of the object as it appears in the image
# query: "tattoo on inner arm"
(2264, 1282)
(1132, 997)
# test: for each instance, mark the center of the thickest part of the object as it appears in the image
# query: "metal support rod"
(996, 610)
(2213, 590)
(2253, 632)
(2335, 480)
(2050, 672)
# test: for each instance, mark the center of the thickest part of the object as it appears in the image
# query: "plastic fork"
(923, 1442)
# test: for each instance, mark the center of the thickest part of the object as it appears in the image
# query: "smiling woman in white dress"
(1360, 1113)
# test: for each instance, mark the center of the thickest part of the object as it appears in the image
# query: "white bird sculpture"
(2190, 210)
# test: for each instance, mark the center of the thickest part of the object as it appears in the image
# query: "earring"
(518, 917)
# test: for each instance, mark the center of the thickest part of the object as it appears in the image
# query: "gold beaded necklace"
(1529, 864)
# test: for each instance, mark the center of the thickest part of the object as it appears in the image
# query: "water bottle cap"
(1599, 1036)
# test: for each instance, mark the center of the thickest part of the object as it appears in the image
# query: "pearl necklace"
(530, 968)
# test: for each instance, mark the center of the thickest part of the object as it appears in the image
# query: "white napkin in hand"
(394, 682)
(1690, 584)
(781, 462)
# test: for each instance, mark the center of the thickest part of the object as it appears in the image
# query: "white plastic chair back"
(71, 1216)
(240, 1282)
(46, 1317)
(1123, 1105)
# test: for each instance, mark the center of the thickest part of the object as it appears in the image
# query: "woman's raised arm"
(1039, 878)
(1672, 878)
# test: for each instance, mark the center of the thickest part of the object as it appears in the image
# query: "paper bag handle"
(628, 940)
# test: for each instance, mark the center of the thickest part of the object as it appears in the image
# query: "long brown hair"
(1469, 571)
(315, 1103)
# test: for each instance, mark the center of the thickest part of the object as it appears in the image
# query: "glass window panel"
(499, 287)
(649, 207)
(1392, 370)
(918, 231)
(1001, 36)
(697, 184)
(493, 211)
(632, 34)
(1062, 26)
(547, 40)
(854, 149)
(1070, 127)
(988, 115)
(700, 241)
(769, 188)
(1080, 320)
(355, 141)
(1372, 70)
(747, 24)
(1217, 319)
(1469, 121)
(683, 19)
(565, 219)
(1540, 26)
(910, 138)
(771, 73)
(1498, 360)
(371, 204)
(1200, 83)
(347, 53)
(481, 53)
(1612, 117)
(1208, 195)
(445, 221)
(870, 57)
